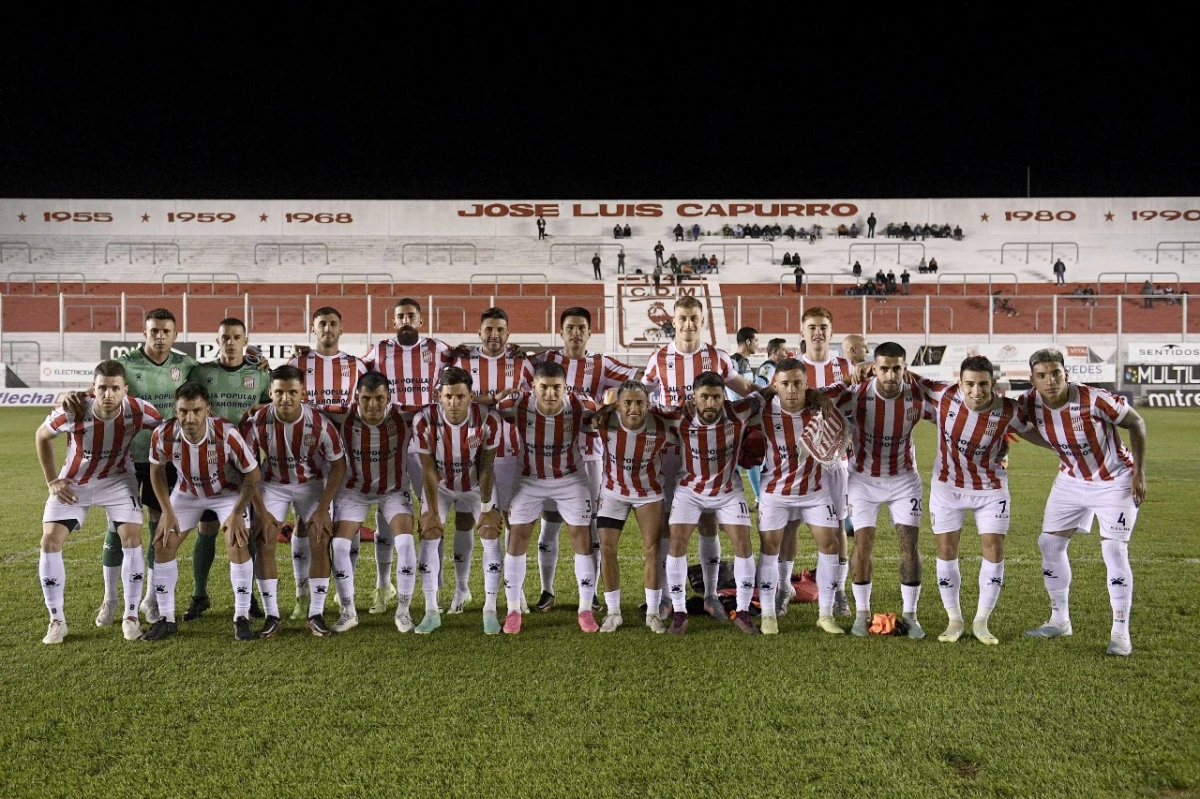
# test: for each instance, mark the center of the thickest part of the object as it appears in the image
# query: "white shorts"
(615, 506)
(355, 506)
(595, 477)
(902, 494)
(505, 474)
(731, 508)
(948, 507)
(1072, 503)
(467, 502)
(304, 497)
(815, 509)
(568, 495)
(837, 475)
(188, 508)
(415, 472)
(117, 494)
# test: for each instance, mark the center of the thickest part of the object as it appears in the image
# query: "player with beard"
(1097, 476)
(550, 423)
(303, 467)
(98, 470)
(411, 363)
(206, 451)
(883, 471)
(589, 375)
(804, 433)
(670, 378)
(457, 440)
(635, 438)
(969, 476)
(495, 372)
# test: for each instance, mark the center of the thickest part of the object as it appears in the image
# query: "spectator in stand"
(802, 233)
(1060, 272)
(933, 266)
(673, 262)
(776, 231)
(756, 231)
(813, 233)
(791, 232)
(768, 233)
(787, 259)
(892, 231)
(1147, 294)
(713, 263)
(541, 226)
(871, 226)
(856, 270)
(657, 275)
(621, 262)
(906, 231)
(727, 232)
(891, 281)
(696, 231)
(798, 271)
(658, 252)
(958, 233)
(905, 277)
(678, 232)
(946, 231)
(880, 277)
(816, 231)
(739, 231)
(1001, 304)
(616, 231)
(922, 267)
(626, 232)
(596, 265)
(925, 232)
(1080, 293)
(854, 230)
(842, 231)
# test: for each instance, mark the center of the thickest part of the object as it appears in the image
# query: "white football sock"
(768, 579)
(53, 576)
(677, 582)
(514, 581)
(910, 595)
(385, 548)
(548, 554)
(785, 573)
(991, 580)
(406, 566)
(653, 600)
(113, 576)
(301, 560)
(949, 579)
(862, 598)
(743, 577)
(585, 579)
(430, 568)
(241, 577)
(464, 547)
(133, 570)
(316, 599)
(843, 573)
(493, 570)
(612, 601)
(1056, 575)
(1120, 583)
(166, 575)
(269, 590)
(827, 572)
(343, 570)
(710, 562)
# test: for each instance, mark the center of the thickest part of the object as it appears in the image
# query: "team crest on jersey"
(310, 440)
(705, 364)
(912, 414)
(589, 366)
(212, 459)
(992, 427)
(508, 368)
(176, 374)
(345, 369)
(426, 356)
(473, 441)
(247, 382)
(1077, 424)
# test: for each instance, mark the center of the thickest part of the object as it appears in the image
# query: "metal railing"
(278, 310)
(899, 245)
(440, 245)
(1158, 249)
(115, 309)
(1148, 275)
(787, 315)
(35, 278)
(154, 246)
(595, 248)
(303, 245)
(789, 279)
(366, 279)
(899, 308)
(725, 245)
(1062, 311)
(520, 276)
(1028, 245)
(199, 277)
(437, 316)
(12, 358)
(18, 245)
(989, 275)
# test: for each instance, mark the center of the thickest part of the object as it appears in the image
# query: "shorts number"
(1003, 506)
(743, 509)
(136, 504)
(829, 510)
(1121, 520)
(916, 505)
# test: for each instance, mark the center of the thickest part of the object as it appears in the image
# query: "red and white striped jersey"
(549, 444)
(789, 469)
(98, 448)
(412, 372)
(330, 380)
(710, 452)
(375, 454)
(491, 374)
(1084, 432)
(671, 373)
(455, 447)
(971, 445)
(209, 467)
(825, 373)
(633, 458)
(293, 452)
(591, 376)
(882, 428)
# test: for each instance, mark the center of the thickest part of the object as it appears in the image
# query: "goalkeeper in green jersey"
(234, 385)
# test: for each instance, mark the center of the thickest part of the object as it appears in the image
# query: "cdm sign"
(1173, 399)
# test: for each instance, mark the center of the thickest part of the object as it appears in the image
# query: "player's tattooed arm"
(1136, 425)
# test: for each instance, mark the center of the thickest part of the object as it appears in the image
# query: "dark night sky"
(812, 106)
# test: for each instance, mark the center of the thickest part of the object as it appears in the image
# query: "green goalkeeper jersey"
(232, 391)
(155, 383)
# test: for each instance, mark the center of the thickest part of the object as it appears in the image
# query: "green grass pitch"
(553, 712)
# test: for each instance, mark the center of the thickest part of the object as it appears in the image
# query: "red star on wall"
(262, 217)
(20, 217)
(983, 217)
(1108, 217)
(145, 217)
